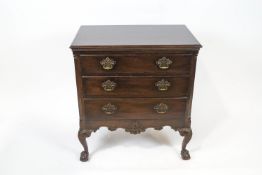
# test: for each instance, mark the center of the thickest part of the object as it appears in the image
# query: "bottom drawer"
(134, 108)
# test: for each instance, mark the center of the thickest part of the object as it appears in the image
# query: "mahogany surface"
(135, 77)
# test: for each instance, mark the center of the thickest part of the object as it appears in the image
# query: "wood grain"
(135, 50)
(136, 64)
(135, 86)
(134, 108)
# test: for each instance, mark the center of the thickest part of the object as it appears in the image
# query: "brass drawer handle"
(108, 63)
(109, 85)
(109, 109)
(164, 63)
(161, 108)
(162, 85)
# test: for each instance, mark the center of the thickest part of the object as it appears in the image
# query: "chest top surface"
(134, 35)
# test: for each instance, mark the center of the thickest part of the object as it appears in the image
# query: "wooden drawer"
(135, 108)
(135, 86)
(178, 64)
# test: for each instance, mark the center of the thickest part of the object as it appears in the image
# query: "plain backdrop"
(38, 102)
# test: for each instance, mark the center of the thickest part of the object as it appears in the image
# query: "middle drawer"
(135, 86)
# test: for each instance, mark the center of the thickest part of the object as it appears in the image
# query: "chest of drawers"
(135, 77)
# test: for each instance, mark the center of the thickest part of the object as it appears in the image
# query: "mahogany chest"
(135, 77)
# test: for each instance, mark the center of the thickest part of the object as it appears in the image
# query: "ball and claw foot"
(84, 156)
(185, 154)
(187, 134)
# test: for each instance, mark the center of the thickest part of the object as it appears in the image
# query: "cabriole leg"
(82, 135)
(187, 133)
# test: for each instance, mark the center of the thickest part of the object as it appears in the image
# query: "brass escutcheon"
(109, 85)
(162, 85)
(108, 63)
(109, 109)
(164, 63)
(161, 108)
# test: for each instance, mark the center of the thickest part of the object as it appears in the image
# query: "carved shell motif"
(135, 128)
(85, 132)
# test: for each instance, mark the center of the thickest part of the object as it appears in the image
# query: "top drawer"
(117, 64)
